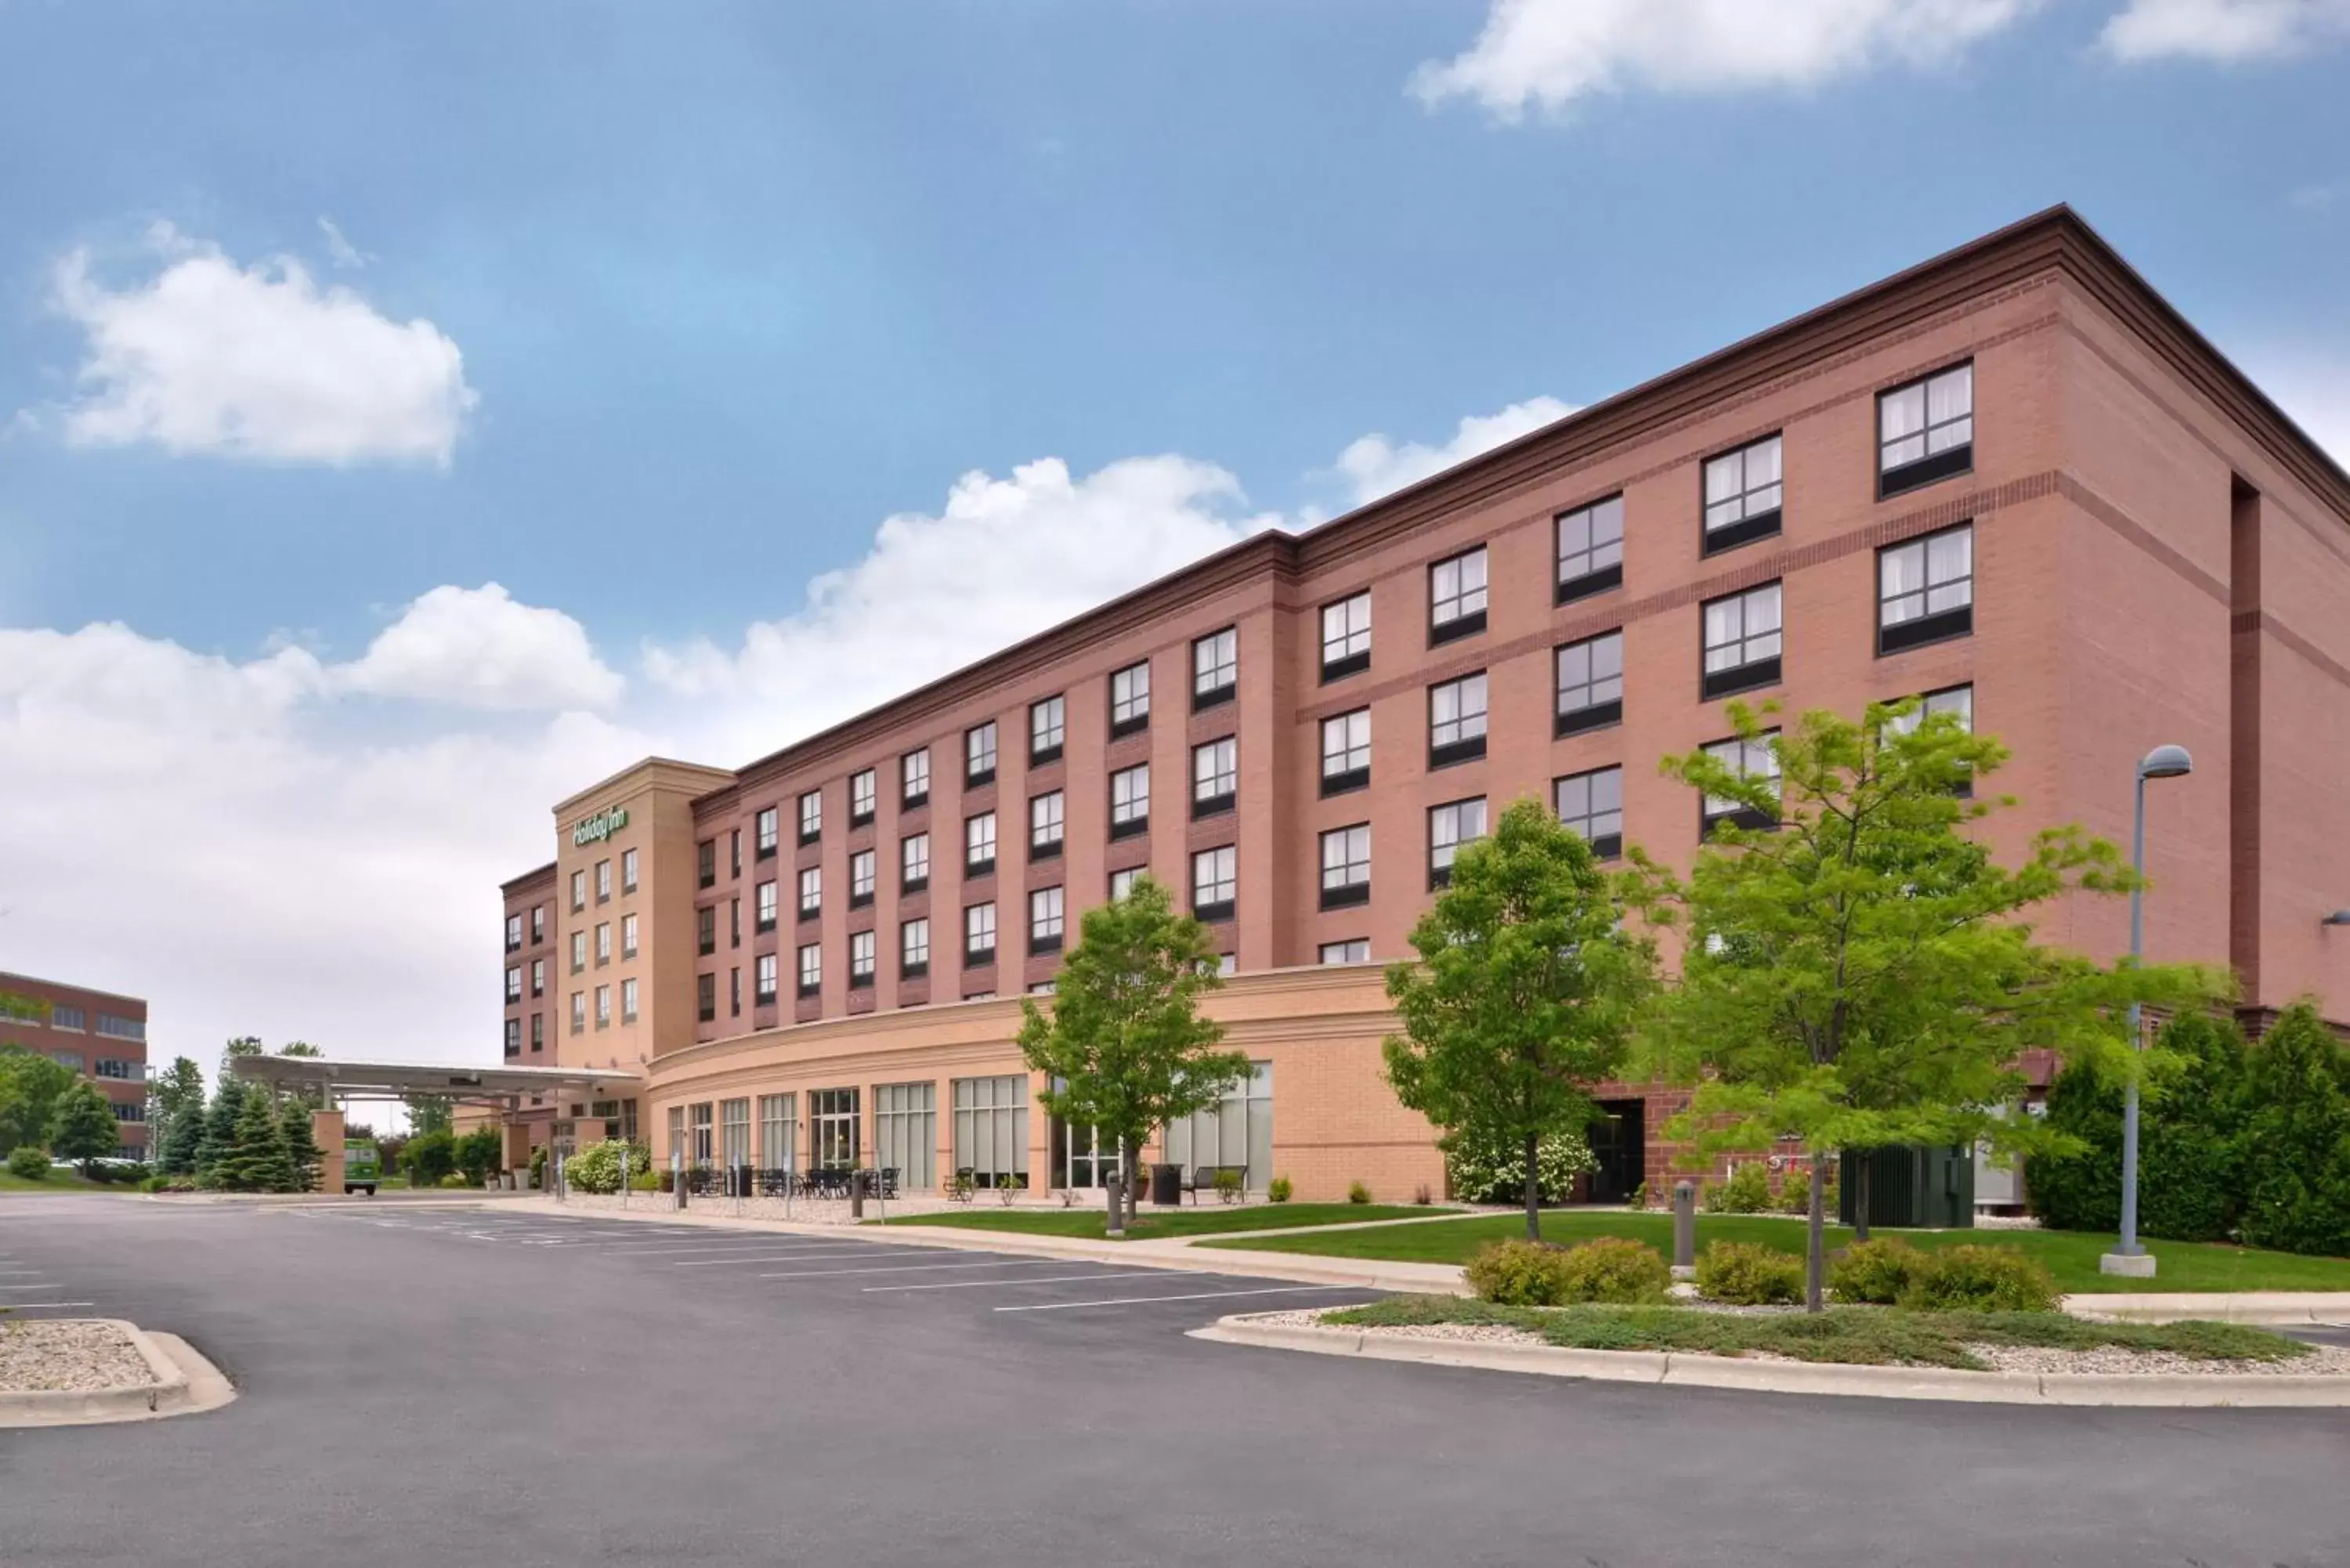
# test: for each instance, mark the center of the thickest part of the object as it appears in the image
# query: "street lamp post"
(2127, 1257)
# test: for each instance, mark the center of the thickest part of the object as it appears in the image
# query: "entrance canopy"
(502, 1087)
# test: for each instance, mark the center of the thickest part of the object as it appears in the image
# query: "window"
(1347, 751)
(812, 816)
(115, 1067)
(864, 795)
(1129, 700)
(1045, 909)
(70, 1060)
(1592, 804)
(1215, 777)
(578, 1011)
(1215, 668)
(811, 892)
(734, 1130)
(914, 863)
(978, 934)
(628, 1001)
(703, 1152)
(1591, 549)
(538, 977)
(705, 863)
(1955, 700)
(514, 982)
(603, 1007)
(1590, 683)
(538, 1030)
(991, 1131)
(66, 1018)
(1129, 801)
(1449, 827)
(1121, 883)
(833, 1123)
(579, 892)
(627, 870)
(1215, 882)
(1346, 636)
(1742, 643)
(578, 952)
(811, 960)
(777, 1145)
(762, 977)
(1743, 493)
(1925, 589)
(913, 949)
(1456, 721)
(603, 881)
(1047, 728)
(514, 932)
(1356, 950)
(734, 852)
(1236, 1131)
(705, 998)
(1044, 825)
(129, 1111)
(861, 878)
(979, 753)
(1456, 597)
(603, 943)
(764, 907)
(1346, 867)
(1758, 758)
(914, 777)
(906, 1134)
(734, 922)
(1925, 430)
(862, 959)
(764, 832)
(979, 843)
(628, 936)
(735, 989)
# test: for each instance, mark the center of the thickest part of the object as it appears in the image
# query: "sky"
(410, 414)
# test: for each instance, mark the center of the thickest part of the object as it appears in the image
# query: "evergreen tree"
(182, 1138)
(82, 1125)
(257, 1159)
(170, 1096)
(2298, 1138)
(218, 1139)
(301, 1146)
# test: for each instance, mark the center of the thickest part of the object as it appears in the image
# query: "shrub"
(2297, 1197)
(155, 1184)
(1748, 1190)
(1614, 1268)
(28, 1163)
(1228, 1185)
(1747, 1274)
(1481, 1170)
(478, 1154)
(646, 1181)
(454, 1179)
(1875, 1272)
(1830, 1199)
(1795, 1196)
(428, 1158)
(1711, 1198)
(97, 1171)
(1519, 1273)
(1979, 1279)
(1358, 1194)
(596, 1167)
(1640, 1198)
(538, 1166)
(1422, 1195)
(1278, 1190)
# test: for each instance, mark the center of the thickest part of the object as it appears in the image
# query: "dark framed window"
(1047, 731)
(1046, 825)
(1743, 490)
(1450, 826)
(913, 949)
(1346, 636)
(1590, 683)
(1957, 701)
(764, 831)
(1129, 700)
(914, 777)
(1456, 721)
(811, 968)
(863, 877)
(979, 753)
(1045, 907)
(914, 863)
(812, 816)
(705, 998)
(811, 892)
(1925, 430)
(979, 843)
(1121, 881)
(864, 797)
(705, 931)
(705, 863)
(1758, 758)
(1215, 668)
(1741, 641)
(1215, 883)
(734, 852)
(863, 959)
(763, 981)
(1925, 589)
(1591, 549)
(1592, 804)
(978, 935)
(763, 908)
(1215, 777)
(1355, 949)
(1347, 751)
(1346, 867)
(1456, 597)
(1129, 801)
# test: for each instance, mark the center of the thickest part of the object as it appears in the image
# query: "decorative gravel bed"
(70, 1355)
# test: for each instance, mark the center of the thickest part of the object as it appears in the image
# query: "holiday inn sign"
(602, 825)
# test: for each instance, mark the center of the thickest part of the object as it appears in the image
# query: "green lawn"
(1202, 1222)
(59, 1182)
(2070, 1256)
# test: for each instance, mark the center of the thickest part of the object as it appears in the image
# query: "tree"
(219, 1140)
(30, 1086)
(82, 1126)
(242, 1045)
(1857, 970)
(2191, 1148)
(299, 1048)
(1524, 995)
(2298, 1138)
(427, 1113)
(478, 1152)
(176, 1152)
(429, 1156)
(257, 1160)
(1123, 1046)
(171, 1093)
(302, 1149)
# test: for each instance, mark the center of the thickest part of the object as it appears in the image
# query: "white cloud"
(1373, 466)
(339, 248)
(1547, 53)
(2222, 30)
(260, 362)
(477, 648)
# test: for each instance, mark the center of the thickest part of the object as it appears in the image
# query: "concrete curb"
(184, 1383)
(1686, 1371)
(2283, 1308)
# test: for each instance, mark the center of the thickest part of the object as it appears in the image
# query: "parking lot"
(420, 1383)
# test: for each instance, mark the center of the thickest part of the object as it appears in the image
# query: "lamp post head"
(2338, 918)
(2166, 763)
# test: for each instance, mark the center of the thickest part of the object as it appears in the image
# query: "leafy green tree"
(2298, 1138)
(429, 1156)
(428, 1113)
(242, 1045)
(1862, 973)
(257, 1160)
(301, 1146)
(30, 1086)
(176, 1153)
(1123, 1045)
(82, 1125)
(1525, 996)
(171, 1095)
(478, 1152)
(299, 1048)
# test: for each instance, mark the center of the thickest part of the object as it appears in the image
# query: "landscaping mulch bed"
(68, 1354)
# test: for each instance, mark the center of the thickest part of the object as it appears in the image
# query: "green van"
(362, 1167)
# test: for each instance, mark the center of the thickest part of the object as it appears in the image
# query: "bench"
(1204, 1179)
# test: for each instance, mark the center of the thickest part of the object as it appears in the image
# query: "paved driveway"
(443, 1386)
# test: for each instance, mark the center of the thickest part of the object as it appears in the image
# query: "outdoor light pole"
(2129, 1257)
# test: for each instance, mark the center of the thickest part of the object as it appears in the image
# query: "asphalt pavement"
(429, 1385)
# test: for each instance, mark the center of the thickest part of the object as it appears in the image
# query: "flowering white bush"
(1493, 1170)
(596, 1167)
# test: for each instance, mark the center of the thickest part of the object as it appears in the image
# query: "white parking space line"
(1193, 1296)
(42, 1306)
(1001, 1285)
(865, 1251)
(36, 1285)
(912, 1269)
(707, 1249)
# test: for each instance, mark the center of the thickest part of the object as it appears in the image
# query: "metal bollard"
(857, 1195)
(677, 1178)
(1684, 1229)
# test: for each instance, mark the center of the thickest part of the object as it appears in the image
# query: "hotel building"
(98, 1035)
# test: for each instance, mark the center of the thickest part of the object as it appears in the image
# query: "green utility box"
(362, 1165)
(1910, 1186)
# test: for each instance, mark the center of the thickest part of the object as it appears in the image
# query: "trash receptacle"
(1167, 1184)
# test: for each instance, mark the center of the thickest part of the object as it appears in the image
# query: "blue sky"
(762, 276)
